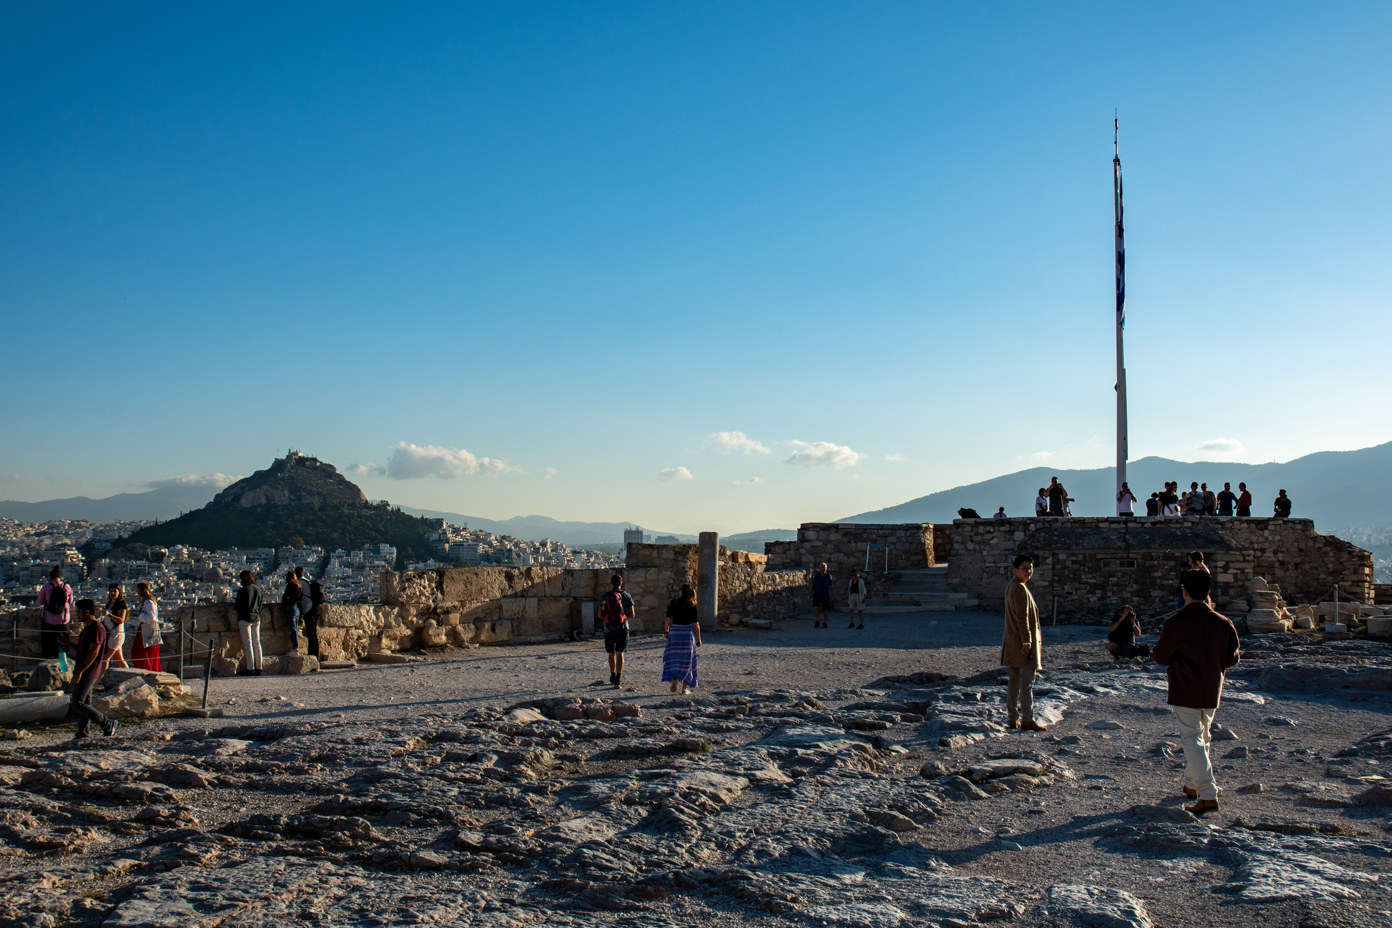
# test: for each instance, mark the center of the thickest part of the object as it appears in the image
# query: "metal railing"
(190, 647)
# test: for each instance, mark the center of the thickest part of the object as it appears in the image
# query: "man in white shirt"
(1125, 500)
(1041, 503)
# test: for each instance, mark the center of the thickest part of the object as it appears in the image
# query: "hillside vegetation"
(297, 501)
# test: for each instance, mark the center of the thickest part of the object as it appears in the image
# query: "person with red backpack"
(616, 608)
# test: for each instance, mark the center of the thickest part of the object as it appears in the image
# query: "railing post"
(207, 672)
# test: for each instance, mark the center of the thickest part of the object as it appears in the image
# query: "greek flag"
(1120, 253)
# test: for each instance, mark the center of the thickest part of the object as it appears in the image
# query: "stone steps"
(923, 590)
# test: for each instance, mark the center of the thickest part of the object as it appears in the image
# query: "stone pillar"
(708, 578)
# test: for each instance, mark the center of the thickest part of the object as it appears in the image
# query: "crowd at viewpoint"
(103, 633)
(1197, 501)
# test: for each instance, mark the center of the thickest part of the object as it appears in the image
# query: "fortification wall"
(1085, 568)
(471, 606)
(748, 587)
(843, 547)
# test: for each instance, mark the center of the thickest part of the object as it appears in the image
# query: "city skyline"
(689, 265)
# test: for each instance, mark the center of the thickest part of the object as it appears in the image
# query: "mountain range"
(1337, 489)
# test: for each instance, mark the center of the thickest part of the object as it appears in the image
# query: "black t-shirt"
(1152, 507)
(1125, 633)
(1225, 502)
(682, 612)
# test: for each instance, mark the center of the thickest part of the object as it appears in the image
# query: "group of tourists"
(1199, 500)
(681, 628)
(1197, 645)
(99, 643)
(1052, 500)
(302, 599)
(57, 603)
(856, 595)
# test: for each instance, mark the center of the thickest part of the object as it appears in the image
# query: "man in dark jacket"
(1197, 645)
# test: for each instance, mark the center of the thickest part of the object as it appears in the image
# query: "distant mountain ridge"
(586, 534)
(1336, 489)
(163, 503)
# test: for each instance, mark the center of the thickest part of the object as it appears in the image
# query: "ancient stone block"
(301, 663)
(47, 676)
(499, 632)
(129, 702)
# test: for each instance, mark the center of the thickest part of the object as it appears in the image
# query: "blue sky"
(694, 265)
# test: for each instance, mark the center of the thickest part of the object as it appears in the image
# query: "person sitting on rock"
(1121, 637)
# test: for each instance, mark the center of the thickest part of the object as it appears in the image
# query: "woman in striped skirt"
(683, 632)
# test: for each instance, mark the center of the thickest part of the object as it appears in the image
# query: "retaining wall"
(1086, 568)
(471, 606)
(843, 547)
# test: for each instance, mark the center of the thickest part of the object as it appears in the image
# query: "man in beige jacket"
(1020, 651)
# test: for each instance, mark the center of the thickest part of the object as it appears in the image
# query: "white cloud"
(367, 470)
(732, 442)
(895, 456)
(193, 480)
(549, 473)
(1043, 457)
(822, 454)
(668, 474)
(412, 462)
(752, 481)
(1225, 447)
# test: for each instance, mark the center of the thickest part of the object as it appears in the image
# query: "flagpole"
(1121, 451)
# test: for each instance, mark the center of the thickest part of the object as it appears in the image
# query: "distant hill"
(595, 535)
(1336, 489)
(754, 541)
(164, 503)
(536, 528)
(298, 501)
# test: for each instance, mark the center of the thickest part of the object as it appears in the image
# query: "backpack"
(612, 609)
(57, 596)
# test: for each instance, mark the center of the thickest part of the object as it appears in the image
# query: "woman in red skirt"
(145, 649)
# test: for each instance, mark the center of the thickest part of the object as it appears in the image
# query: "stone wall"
(1382, 594)
(843, 546)
(748, 589)
(471, 606)
(345, 633)
(1086, 568)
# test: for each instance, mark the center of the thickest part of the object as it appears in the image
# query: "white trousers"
(251, 643)
(1194, 726)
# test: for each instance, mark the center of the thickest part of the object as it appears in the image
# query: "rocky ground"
(833, 776)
